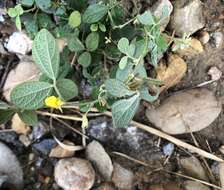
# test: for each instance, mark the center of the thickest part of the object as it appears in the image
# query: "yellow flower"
(53, 102)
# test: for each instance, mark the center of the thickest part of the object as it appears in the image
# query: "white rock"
(100, 159)
(26, 70)
(74, 174)
(19, 43)
(215, 73)
(168, 149)
(186, 112)
(10, 167)
(157, 11)
(187, 17)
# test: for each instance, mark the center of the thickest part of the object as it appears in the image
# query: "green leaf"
(123, 45)
(3, 105)
(74, 44)
(146, 18)
(92, 41)
(144, 93)
(12, 12)
(94, 27)
(28, 116)
(117, 88)
(5, 115)
(46, 53)
(43, 4)
(18, 23)
(27, 3)
(102, 27)
(19, 9)
(123, 62)
(85, 59)
(124, 110)
(30, 95)
(74, 19)
(122, 74)
(67, 88)
(94, 13)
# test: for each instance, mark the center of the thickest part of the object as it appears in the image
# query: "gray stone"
(10, 169)
(100, 159)
(194, 185)
(187, 17)
(122, 178)
(217, 39)
(157, 10)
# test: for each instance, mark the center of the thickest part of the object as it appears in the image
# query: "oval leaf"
(46, 53)
(92, 41)
(124, 110)
(85, 59)
(123, 62)
(74, 19)
(94, 13)
(67, 88)
(28, 117)
(123, 45)
(30, 95)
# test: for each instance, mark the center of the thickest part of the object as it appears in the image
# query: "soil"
(38, 167)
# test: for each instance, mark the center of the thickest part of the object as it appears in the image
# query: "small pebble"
(204, 37)
(215, 73)
(74, 174)
(19, 43)
(217, 39)
(168, 149)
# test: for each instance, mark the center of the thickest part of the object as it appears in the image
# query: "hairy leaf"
(117, 88)
(94, 13)
(5, 115)
(123, 62)
(46, 53)
(92, 41)
(124, 110)
(74, 44)
(74, 19)
(30, 95)
(85, 59)
(67, 88)
(29, 117)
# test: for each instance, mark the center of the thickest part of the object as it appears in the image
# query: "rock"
(122, 178)
(221, 149)
(157, 10)
(25, 140)
(39, 130)
(59, 152)
(10, 168)
(177, 116)
(221, 174)
(168, 149)
(100, 159)
(186, 17)
(26, 70)
(191, 166)
(215, 73)
(19, 126)
(217, 39)
(74, 174)
(203, 37)
(45, 146)
(172, 72)
(106, 186)
(194, 185)
(169, 186)
(19, 43)
(194, 48)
